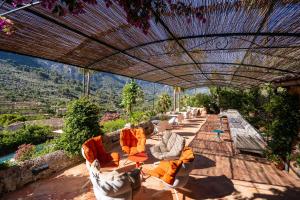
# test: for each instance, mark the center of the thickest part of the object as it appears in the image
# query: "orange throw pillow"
(166, 170)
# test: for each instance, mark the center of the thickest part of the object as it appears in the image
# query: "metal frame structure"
(188, 56)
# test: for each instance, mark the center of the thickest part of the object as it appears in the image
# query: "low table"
(138, 159)
(218, 133)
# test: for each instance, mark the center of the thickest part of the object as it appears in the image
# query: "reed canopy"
(232, 43)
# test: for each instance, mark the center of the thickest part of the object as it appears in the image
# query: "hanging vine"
(138, 12)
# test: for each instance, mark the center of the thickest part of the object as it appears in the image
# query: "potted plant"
(277, 161)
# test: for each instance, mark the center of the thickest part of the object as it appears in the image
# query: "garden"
(82, 121)
(273, 111)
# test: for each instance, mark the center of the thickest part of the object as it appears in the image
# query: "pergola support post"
(88, 81)
(84, 82)
(179, 100)
(174, 97)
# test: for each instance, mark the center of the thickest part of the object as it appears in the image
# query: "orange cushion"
(93, 149)
(166, 170)
(174, 166)
(115, 158)
(132, 141)
(187, 155)
(90, 150)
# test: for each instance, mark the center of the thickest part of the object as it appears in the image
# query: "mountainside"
(27, 79)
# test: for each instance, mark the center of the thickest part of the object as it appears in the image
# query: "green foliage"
(81, 123)
(150, 113)
(272, 157)
(164, 103)
(36, 117)
(10, 140)
(132, 94)
(7, 119)
(204, 100)
(47, 147)
(138, 117)
(185, 101)
(113, 125)
(230, 98)
(6, 165)
(25, 152)
(283, 124)
(298, 160)
(163, 117)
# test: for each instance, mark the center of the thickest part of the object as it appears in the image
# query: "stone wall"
(17, 176)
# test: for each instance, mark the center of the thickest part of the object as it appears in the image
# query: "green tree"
(164, 103)
(81, 123)
(132, 94)
(283, 126)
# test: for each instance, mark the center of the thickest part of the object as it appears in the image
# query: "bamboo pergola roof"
(235, 47)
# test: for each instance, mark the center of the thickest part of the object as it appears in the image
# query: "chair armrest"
(171, 155)
(115, 158)
(126, 149)
(117, 185)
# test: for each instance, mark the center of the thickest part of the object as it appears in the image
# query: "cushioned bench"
(245, 137)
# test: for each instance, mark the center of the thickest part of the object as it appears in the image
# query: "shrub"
(47, 147)
(81, 123)
(109, 116)
(230, 98)
(163, 117)
(164, 103)
(185, 101)
(6, 165)
(25, 152)
(205, 100)
(7, 119)
(138, 117)
(113, 125)
(150, 113)
(298, 160)
(34, 134)
(132, 94)
(283, 125)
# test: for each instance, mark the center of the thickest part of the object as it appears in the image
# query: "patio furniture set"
(176, 162)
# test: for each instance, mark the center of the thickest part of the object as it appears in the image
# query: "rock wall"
(29, 171)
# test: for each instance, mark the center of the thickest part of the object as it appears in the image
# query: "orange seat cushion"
(132, 141)
(93, 149)
(187, 155)
(167, 169)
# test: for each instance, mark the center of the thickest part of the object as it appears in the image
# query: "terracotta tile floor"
(218, 174)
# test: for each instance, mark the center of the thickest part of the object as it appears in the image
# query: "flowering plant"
(6, 25)
(25, 152)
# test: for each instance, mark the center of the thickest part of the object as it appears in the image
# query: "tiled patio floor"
(218, 174)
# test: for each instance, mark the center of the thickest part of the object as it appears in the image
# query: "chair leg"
(84, 185)
(176, 194)
(159, 192)
(125, 162)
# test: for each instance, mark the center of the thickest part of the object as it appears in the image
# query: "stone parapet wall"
(28, 171)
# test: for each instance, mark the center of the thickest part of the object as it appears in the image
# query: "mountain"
(24, 78)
